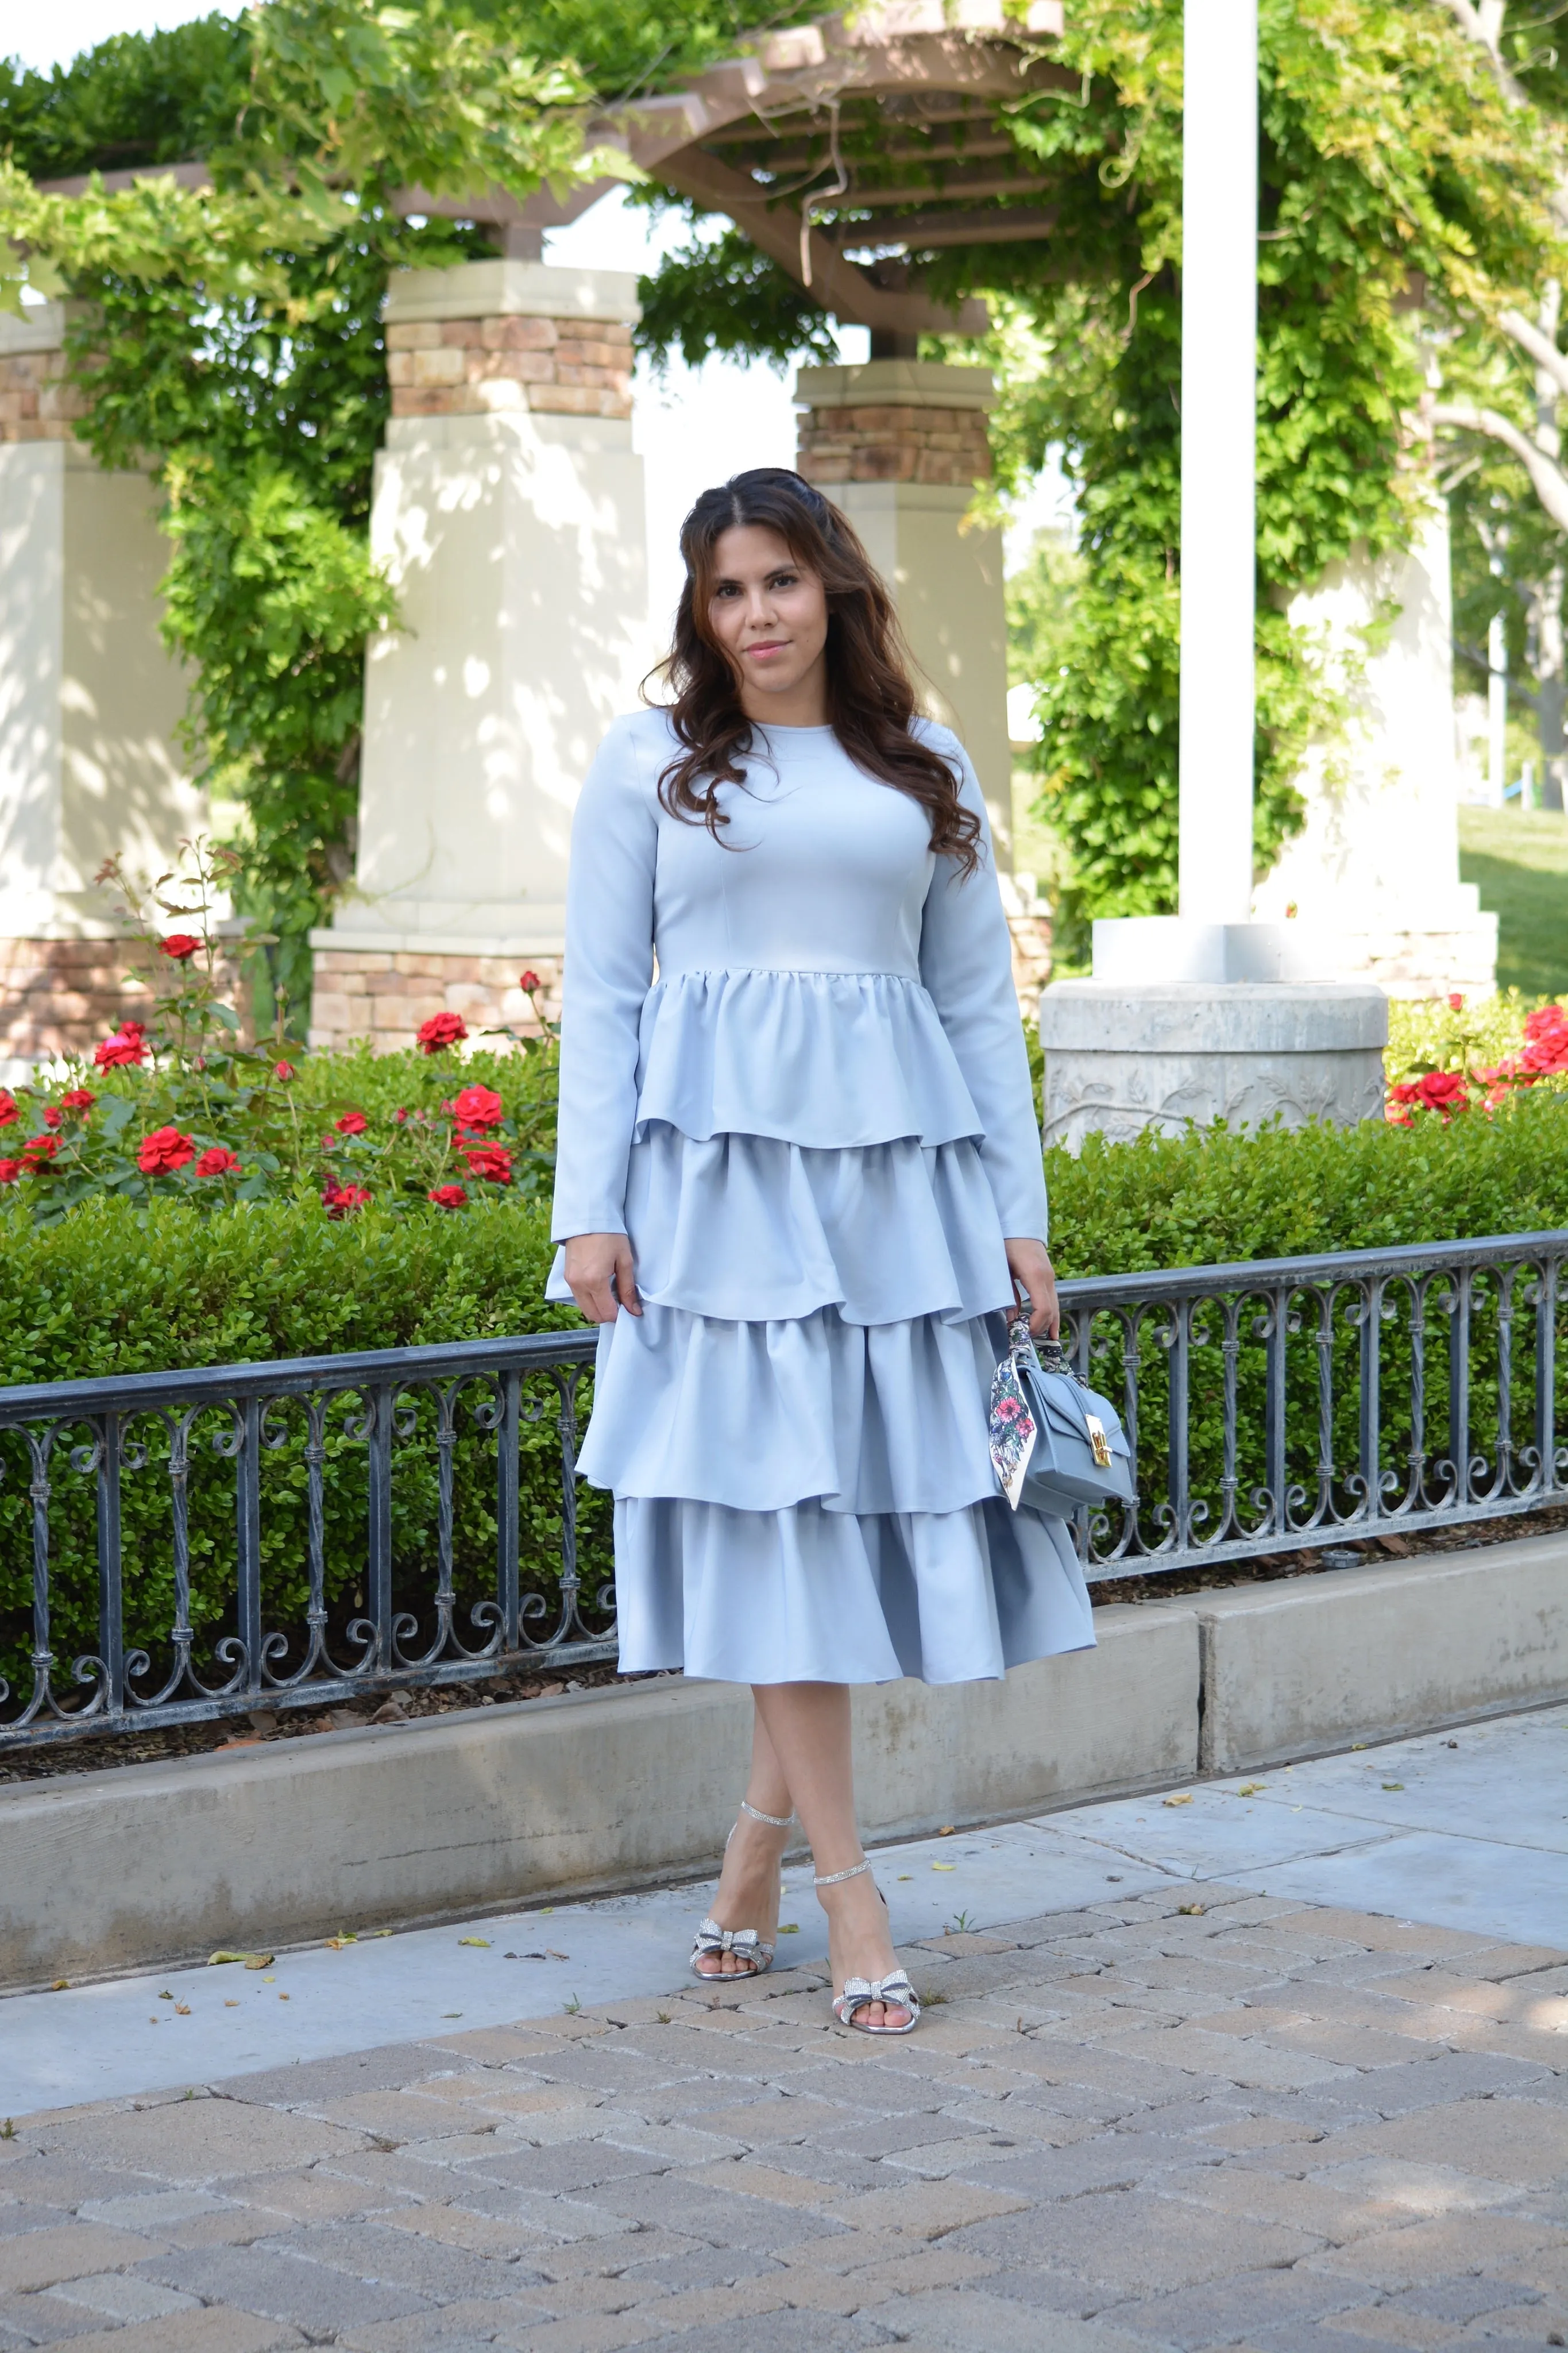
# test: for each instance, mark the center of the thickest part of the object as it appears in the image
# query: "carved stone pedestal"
(1121, 1057)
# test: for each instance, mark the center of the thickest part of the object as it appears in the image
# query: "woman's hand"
(594, 1262)
(1034, 1273)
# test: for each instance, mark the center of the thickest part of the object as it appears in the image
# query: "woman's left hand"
(1034, 1273)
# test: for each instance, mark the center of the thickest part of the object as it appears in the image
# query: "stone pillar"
(90, 702)
(901, 445)
(509, 511)
(1376, 868)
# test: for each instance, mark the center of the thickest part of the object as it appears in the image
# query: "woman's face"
(770, 614)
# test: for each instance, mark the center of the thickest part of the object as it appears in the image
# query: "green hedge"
(112, 1289)
(1218, 1194)
(1214, 1197)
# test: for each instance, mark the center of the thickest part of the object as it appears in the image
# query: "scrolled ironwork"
(413, 1516)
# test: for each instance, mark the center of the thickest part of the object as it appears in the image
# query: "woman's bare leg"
(748, 1893)
(807, 1729)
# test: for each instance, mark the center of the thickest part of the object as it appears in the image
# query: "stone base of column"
(1407, 961)
(1121, 1057)
(1029, 922)
(59, 997)
(381, 990)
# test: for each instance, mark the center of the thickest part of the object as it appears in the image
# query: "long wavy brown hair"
(870, 698)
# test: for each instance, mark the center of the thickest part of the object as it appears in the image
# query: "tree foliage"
(1409, 179)
(1406, 197)
(230, 335)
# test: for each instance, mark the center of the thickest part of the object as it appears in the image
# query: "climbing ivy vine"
(230, 335)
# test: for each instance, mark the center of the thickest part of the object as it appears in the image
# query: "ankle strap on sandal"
(774, 1821)
(832, 1878)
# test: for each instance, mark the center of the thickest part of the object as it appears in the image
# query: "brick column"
(508, 509)
(90, 762)
(901, 446)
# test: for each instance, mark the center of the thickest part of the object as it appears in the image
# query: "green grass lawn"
(1520, 859)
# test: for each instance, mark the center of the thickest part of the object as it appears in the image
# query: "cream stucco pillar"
(91, 703)
(1376, 866)
(900, 444)
(509, 510)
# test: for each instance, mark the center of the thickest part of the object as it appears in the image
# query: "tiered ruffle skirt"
(795, 1429)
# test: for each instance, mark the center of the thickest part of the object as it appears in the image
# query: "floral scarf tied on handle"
(1012, 1429)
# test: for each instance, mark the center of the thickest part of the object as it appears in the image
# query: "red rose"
(1444, 1091)
(40, 1147)
(164, 1150)
(352, 1123)
(342, 1200)
(53, 1118)
(491, 1161)
(478, 1107)
(124, 1048)
(400, 1116)
(1455, 1002)
(528, 982)
(217, 1160)
(449, 1197)
(442, 1029)
(9, 1171)
(78, 1099)
(7, 1106)
(179, 946)
(1545, 1040)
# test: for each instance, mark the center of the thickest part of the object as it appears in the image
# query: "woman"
(798, 1179)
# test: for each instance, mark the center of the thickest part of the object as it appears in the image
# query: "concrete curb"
(142, 1864)
(1298, 1668)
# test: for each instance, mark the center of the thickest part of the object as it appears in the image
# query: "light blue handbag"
(1056, 1443)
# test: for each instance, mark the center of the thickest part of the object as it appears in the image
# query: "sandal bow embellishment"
(858, 1991)
(744, 1943)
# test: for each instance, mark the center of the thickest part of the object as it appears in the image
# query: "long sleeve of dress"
(966, 964)
(609, 969)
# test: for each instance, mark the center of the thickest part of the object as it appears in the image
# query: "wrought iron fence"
(176, 1546)
(1298, 1402)
(179, 1547)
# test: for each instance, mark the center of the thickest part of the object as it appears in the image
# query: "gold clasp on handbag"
(1098, 1440)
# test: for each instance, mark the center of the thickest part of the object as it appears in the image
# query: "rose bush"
(1475, 1058)
(183, 1107)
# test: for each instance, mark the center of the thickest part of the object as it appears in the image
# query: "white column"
(1219, 342)
(90, 703)
(508, 512)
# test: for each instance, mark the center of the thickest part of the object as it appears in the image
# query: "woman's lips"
(768, 646)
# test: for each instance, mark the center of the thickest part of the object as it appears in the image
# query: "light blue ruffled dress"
(816, 1125)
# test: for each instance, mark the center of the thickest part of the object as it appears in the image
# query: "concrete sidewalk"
(1153, 2105)
(1464, 1830)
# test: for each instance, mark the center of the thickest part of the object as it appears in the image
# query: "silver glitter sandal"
(746, 1944)
(858, 1992)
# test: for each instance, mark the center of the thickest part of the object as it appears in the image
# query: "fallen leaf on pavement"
(1185, 1799)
